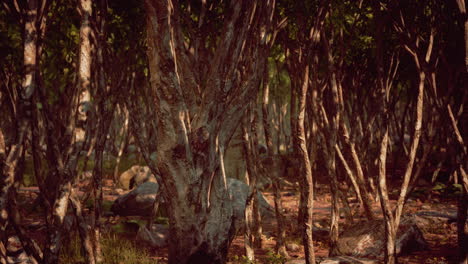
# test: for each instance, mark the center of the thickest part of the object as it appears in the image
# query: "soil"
(442, 239)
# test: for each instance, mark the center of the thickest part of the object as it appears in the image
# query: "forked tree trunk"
(196, 121)
(62, 151)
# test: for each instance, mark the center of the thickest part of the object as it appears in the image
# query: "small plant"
(274, 258)
(115, 251)
(243, 260)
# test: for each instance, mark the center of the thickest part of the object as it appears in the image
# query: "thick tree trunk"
(193, 131)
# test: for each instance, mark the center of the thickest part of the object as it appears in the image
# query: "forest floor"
(441, 238)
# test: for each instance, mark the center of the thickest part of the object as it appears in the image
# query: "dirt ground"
(441, 239)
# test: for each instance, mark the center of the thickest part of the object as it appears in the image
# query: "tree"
(197, 112)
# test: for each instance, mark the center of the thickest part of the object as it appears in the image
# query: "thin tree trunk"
(84, 229)
(307, 195)
(252, 182)
(390, 232)
(11, 159)
(332, 130)
(281, 230)
(124, 136)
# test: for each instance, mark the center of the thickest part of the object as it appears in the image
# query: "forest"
(233, 131)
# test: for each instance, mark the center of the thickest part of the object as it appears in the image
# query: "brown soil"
(442, 239)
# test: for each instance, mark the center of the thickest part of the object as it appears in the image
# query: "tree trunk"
(10, 160)
(124, 136)
(195, 122)
(272, 152)
(307, 195)
(252, 182)
(331, 137)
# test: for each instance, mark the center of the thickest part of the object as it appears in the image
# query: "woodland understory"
(339, 112)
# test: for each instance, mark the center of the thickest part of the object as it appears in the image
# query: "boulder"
(368, 239)
(135, 176)
(138, 202)
(157, 238)
(239, 192)
(336, 260)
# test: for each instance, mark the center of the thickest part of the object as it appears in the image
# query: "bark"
(307, 195)
(84, 230)
(194, 131)
(390, 231)
(280, 246)
(252, 182)
(331, 137)
(61, 149)
(462, 8)
(124, 136)
(10, 160)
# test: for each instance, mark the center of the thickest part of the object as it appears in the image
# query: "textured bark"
(84, 230)
(61, 148)
(390, 231)
(124, 138)
(9, 161)
(331, 137)
(195, 121)
(252, 182)
(299, 139)
(362, 183)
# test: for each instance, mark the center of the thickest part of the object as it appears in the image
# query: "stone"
(293, 247)
(336, 260)
(239, 192)
(368, 239)
(135, 176)
(157, 238)
(138, 202)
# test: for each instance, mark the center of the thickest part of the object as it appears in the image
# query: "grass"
(116, 250)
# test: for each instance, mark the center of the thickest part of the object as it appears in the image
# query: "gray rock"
(293, 247)
(158, 237)
(135, 176)
(336, 260)
(239, 192)
(138, 202)
(368, 239)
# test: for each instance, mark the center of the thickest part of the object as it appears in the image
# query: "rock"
(158, 237)
(368, 239)
(428, 217)
(238, 192)
(347, 260)
(138, 202)
(293, 247)
(336, 260)
(135, 176)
